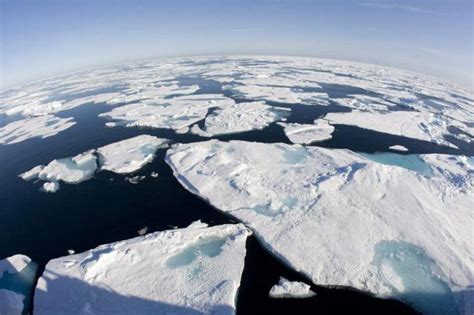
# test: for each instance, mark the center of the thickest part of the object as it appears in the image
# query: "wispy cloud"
(396, 6)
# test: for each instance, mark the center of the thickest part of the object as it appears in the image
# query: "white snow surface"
(417, 125)
(184, 271)
(11, 303)
(13, 264)
(27, 128)
(398, 147)
(291, 289)
(130, 155)
(71, 170)
(240, 117)
(174, 113)
(51, 187)
(334, 215)
(307, 133)
(121, 157)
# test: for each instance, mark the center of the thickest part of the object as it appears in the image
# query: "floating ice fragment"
(195, 269)
(306, 133)
(51, 187)
(240, 117)
(130, 155)
(398, 148)
(291, 289)
(41, 126)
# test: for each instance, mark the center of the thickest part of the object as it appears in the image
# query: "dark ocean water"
(108, 208)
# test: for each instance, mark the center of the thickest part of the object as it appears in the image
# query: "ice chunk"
(417, 125)
(312, 207)
(196, 269)
(71, 170)
(398, 147)
(174, 113)
(14, 264)
(241, 117)
(33, 173)
(17, 277)
(291, 289)
(11, 303)
(121, 157)
(130, 155)
(306, 134)
(41, 126)
(51, 187)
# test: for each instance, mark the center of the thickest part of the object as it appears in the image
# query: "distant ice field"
(105, 133)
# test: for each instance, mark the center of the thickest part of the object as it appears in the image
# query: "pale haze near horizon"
(44, 38)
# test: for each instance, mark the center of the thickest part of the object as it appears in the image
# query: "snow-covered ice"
(307, 133)
(240, 117)
(121, 157)
(17, 276)
(27, 128)
(192, 270)
(417, 125)
(70, 170)
(130, 155)
(281, 94)
(51, 187)
(175, 113)
(312, 208)
(398, 147)
(291, 289)
(13, 264)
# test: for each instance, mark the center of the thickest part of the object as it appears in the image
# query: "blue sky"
(40, 38)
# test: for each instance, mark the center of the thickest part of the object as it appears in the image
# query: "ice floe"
(17, 276)
(191, 270)
(240, 117)
(398, 147)
(307, 133)
(122, 157)
(281, 94)
(174, 113)
(27, 128)
(130, 155)
(291, 289)
(417, 125)
(331, 213)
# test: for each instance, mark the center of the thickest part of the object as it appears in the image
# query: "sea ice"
(312, 207)
(130, 155)
(71, 170)
(27, 128)
(192, 270)
(174, 113)
(417, 125)
(51, 187)
(306, 133)
(17, 276)
(291, 289)
(240, 117)
(121, 157)
(398, 147)
(281, 94)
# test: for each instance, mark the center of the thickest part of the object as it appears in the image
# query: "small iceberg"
(291, 289)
